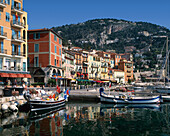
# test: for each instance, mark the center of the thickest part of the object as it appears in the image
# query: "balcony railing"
(17, 9)
(104, 66)
(85, 65)
(3, 51)
(17, 53)
(2, 4)
(17, 24)
(3, 35)
(17, 38)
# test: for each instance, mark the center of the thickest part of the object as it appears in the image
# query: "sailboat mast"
(167, 58)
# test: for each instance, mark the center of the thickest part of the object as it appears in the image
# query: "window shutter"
(2, 47)
(19, 49)
(19, 4)
(2, 30)
(34, 35)
(12, 4)
(13, 48)
(19, 20)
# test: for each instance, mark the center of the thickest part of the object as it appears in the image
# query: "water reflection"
(92, 119)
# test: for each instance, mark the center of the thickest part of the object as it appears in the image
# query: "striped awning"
(12, 75)
(27, 75)
(20, 75)
(4, 75)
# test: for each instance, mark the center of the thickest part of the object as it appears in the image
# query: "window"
(7, 17)
(55, 62)
(55, 38)
(60, 41)
(36, 47)
(24, 66)
(36, 35)
(36, 61)
(55, 49)
(1, 60)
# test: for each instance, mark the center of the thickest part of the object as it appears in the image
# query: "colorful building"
(94, 66)
(127, 67)
(68, 65)
(119, 76)
(116, 59)
(44, 55)
(13, 41)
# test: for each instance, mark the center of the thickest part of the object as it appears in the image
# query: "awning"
(12, 75)
(4, 75)
(20, 75)
(27, 75)
(82, 74)
(78, 73)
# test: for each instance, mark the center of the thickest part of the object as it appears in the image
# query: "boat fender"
(4, 107)
(124, 97)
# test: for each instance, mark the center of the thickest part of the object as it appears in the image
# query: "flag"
(110, 85)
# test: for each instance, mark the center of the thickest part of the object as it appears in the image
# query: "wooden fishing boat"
(40, 104)
(128, 98)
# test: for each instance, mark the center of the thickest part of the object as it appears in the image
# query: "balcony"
(3, 51)
(16, 53)
(2, 4)
(16, 38)
(85, 65)
(17, 9)
(17, 24)
(3, 35)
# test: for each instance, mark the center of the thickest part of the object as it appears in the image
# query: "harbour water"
(87, 119)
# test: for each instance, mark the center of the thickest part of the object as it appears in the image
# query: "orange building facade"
(44, 54)
(127, 67)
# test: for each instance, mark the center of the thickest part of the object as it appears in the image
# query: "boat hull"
(163, 90)
(40, 105)
(109, 99)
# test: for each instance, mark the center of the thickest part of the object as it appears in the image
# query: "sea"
(91, 119)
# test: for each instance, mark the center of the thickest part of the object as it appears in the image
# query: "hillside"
(113, 34)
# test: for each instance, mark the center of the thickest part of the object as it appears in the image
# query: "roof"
(44, 29)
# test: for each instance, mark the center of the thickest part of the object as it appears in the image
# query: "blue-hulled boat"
(128, 98)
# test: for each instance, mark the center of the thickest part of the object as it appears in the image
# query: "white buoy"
(4, 107)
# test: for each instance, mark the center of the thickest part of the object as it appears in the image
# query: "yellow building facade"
(94, 69)
(13, 39)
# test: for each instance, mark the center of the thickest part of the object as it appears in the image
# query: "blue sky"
(49, 13)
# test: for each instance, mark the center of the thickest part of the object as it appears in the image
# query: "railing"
(17, 53)
(3, 51)
(15, 22)
(17, 8)
(3, 34)
(16, 37)
(3, 2)
(85, 65)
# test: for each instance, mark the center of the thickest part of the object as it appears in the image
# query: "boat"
(164, 73)
(139, 88)
(166, 98)
(128, 98)
(42, 101)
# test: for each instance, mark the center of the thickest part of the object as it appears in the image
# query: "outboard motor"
(101, 90)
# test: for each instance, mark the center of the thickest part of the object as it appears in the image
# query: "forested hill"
(113, 34)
